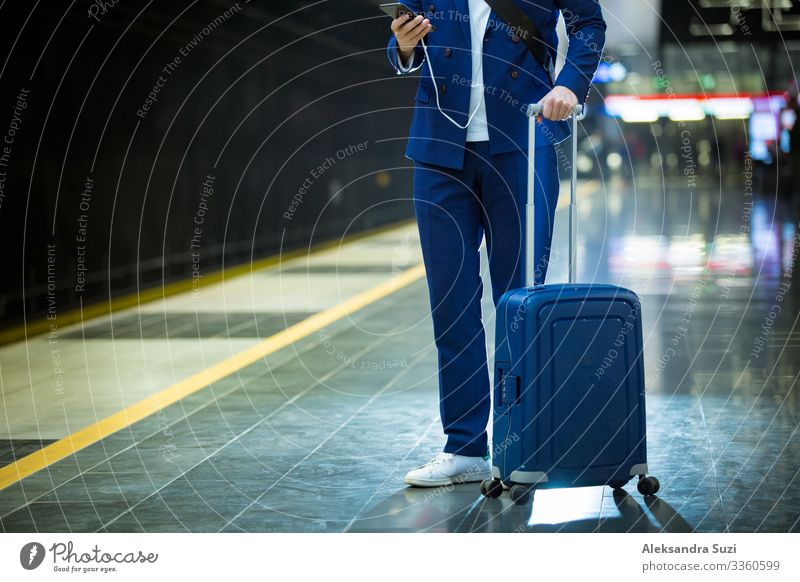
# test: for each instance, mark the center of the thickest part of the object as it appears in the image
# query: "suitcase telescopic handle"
(534, 110)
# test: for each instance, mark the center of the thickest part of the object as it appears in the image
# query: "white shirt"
(478, 129)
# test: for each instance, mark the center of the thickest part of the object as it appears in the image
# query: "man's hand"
(559, 103)
(409, 31)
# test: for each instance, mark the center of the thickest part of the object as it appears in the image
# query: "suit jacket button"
(515, 39)
(448, 52)
(442, 88)
(514, 74)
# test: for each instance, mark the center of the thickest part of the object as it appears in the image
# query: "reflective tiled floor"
(318, 436)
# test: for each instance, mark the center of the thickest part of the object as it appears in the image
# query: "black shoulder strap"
(522, 26)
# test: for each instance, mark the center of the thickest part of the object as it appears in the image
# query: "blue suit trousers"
(455, 210)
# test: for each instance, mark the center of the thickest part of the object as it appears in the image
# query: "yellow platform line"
(85, 437)
(41, 324)
(91, 434)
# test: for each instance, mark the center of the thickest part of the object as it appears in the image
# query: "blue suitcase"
(569, 391)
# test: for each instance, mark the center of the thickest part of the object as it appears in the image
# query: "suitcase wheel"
(519, 494)
(491, 488)
(648, 485)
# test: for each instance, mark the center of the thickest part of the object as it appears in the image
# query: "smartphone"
(397, 9)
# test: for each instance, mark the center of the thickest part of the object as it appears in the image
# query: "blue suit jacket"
(512, 76)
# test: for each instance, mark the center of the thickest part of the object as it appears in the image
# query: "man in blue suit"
(468, 140)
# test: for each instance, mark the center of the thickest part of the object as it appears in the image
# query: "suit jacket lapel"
(462, 13)
(492, 18)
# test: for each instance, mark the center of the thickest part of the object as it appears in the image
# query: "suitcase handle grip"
(535, 109)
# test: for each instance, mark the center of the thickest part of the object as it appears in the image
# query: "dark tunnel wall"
(148, 144)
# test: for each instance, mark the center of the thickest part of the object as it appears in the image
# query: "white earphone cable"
(436, 90)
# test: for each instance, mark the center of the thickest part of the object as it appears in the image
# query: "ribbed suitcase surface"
(569, 386)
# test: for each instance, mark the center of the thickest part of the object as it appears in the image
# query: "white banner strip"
(402, 557)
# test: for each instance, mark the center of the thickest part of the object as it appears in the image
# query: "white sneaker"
(447, 468)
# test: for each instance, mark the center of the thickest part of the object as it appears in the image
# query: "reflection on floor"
(462, 509)
(318, 436)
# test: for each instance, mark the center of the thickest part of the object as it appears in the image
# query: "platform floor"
(317, 435)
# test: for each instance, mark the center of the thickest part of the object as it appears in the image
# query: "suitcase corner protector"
(639, 469)
(528, 477)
